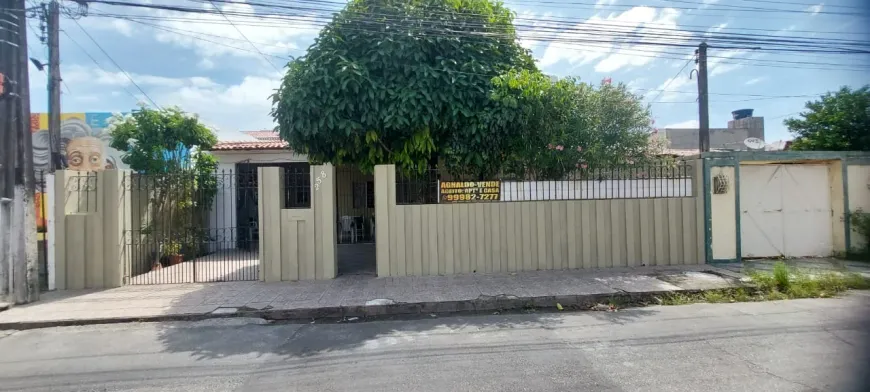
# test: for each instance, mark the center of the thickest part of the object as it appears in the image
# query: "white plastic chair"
(348, 226)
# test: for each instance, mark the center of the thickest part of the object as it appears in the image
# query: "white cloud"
(677, 88)
(786, 30)
(602, 3)
(205, 63)
(211, 35)
(612, 55)
(716, 29)
(755, 80)
(267, 34)
(726, 61)
(531, 36)
(815, 9)
(685, 124)
(708, 3)
(242, 106)
(122, 26)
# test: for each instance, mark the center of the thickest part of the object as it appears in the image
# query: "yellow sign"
(470, 191)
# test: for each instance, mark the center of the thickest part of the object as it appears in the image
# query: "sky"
(206, 66)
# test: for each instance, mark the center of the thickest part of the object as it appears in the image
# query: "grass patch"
(781, 283)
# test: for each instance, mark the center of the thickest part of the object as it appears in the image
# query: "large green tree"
(838, 121)
(401, 81)
(555, 128)
(167, 147)
(165, 140)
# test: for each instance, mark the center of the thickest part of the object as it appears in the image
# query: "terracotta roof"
(266, 140)
(263, 135)
(258, 145)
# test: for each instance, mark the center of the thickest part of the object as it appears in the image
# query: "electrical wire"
(805, 45)
(658, 39)
(97, 63)
(588, 47)
(671, 80)
(245, 37)
(130, 78)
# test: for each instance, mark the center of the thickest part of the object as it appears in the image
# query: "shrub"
(860, 222)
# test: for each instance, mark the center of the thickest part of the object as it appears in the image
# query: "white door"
(785, 211)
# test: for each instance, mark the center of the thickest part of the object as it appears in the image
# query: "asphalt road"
(804, 345)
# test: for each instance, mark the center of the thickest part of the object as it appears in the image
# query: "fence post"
(383, 189)
(116, 223)
(323, 203)
(59, 211)
(270, 201)
(700, 192)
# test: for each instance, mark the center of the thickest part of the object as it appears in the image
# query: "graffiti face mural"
(84, 142)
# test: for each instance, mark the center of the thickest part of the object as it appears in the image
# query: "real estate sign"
(469, 191)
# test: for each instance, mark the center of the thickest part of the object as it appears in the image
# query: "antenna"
(754, 143)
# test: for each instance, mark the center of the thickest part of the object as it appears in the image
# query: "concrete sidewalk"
(362, 296)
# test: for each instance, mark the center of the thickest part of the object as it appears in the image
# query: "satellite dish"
(754, 143)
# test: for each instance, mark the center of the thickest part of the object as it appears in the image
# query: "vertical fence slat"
(675, 235)
(660, 214)
(602, 212)
(432, 222)
(590, 234)
(632, 231)
(414, 225)
(618, 233)
(631, 215)
(571, 233)
(688, 231)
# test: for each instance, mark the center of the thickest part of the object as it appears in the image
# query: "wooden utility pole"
(18, 221)
(703, 103)
(53, 25)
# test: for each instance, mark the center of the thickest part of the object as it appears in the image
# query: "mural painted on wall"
(84, 142)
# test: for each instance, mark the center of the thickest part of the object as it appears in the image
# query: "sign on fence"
(468, 191)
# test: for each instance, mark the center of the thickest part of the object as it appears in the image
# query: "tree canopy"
(398, 81)
(162, 141)
(838, 121)
(557, 127)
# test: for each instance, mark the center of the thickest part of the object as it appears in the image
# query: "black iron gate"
(192, 227)
(355, 214)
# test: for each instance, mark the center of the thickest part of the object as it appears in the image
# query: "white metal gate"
(785, 210)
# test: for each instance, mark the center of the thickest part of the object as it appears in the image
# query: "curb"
(481, 304)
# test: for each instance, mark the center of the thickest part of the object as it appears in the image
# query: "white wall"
(258, 156)
(223, 210)
(586, 190)
(222, 216)
(722, 216)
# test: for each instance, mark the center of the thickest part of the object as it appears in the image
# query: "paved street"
(802, 345)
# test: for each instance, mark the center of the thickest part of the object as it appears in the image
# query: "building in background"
(84, 142)
(684, 141)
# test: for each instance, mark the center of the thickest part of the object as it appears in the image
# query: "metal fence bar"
(192, 227)
(635, 181)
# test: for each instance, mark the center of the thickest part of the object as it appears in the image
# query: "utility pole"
(53, 24)
(703, 103)
(17, 212)
(8, 47)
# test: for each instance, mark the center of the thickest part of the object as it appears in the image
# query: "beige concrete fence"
(91, 213)
(439, 239)
(297, 243)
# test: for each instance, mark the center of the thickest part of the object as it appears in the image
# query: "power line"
(97, 63)
(130, 78)
(632, 38)
(671, 80)
(660, 37)
(586, 47)
(245, 37)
